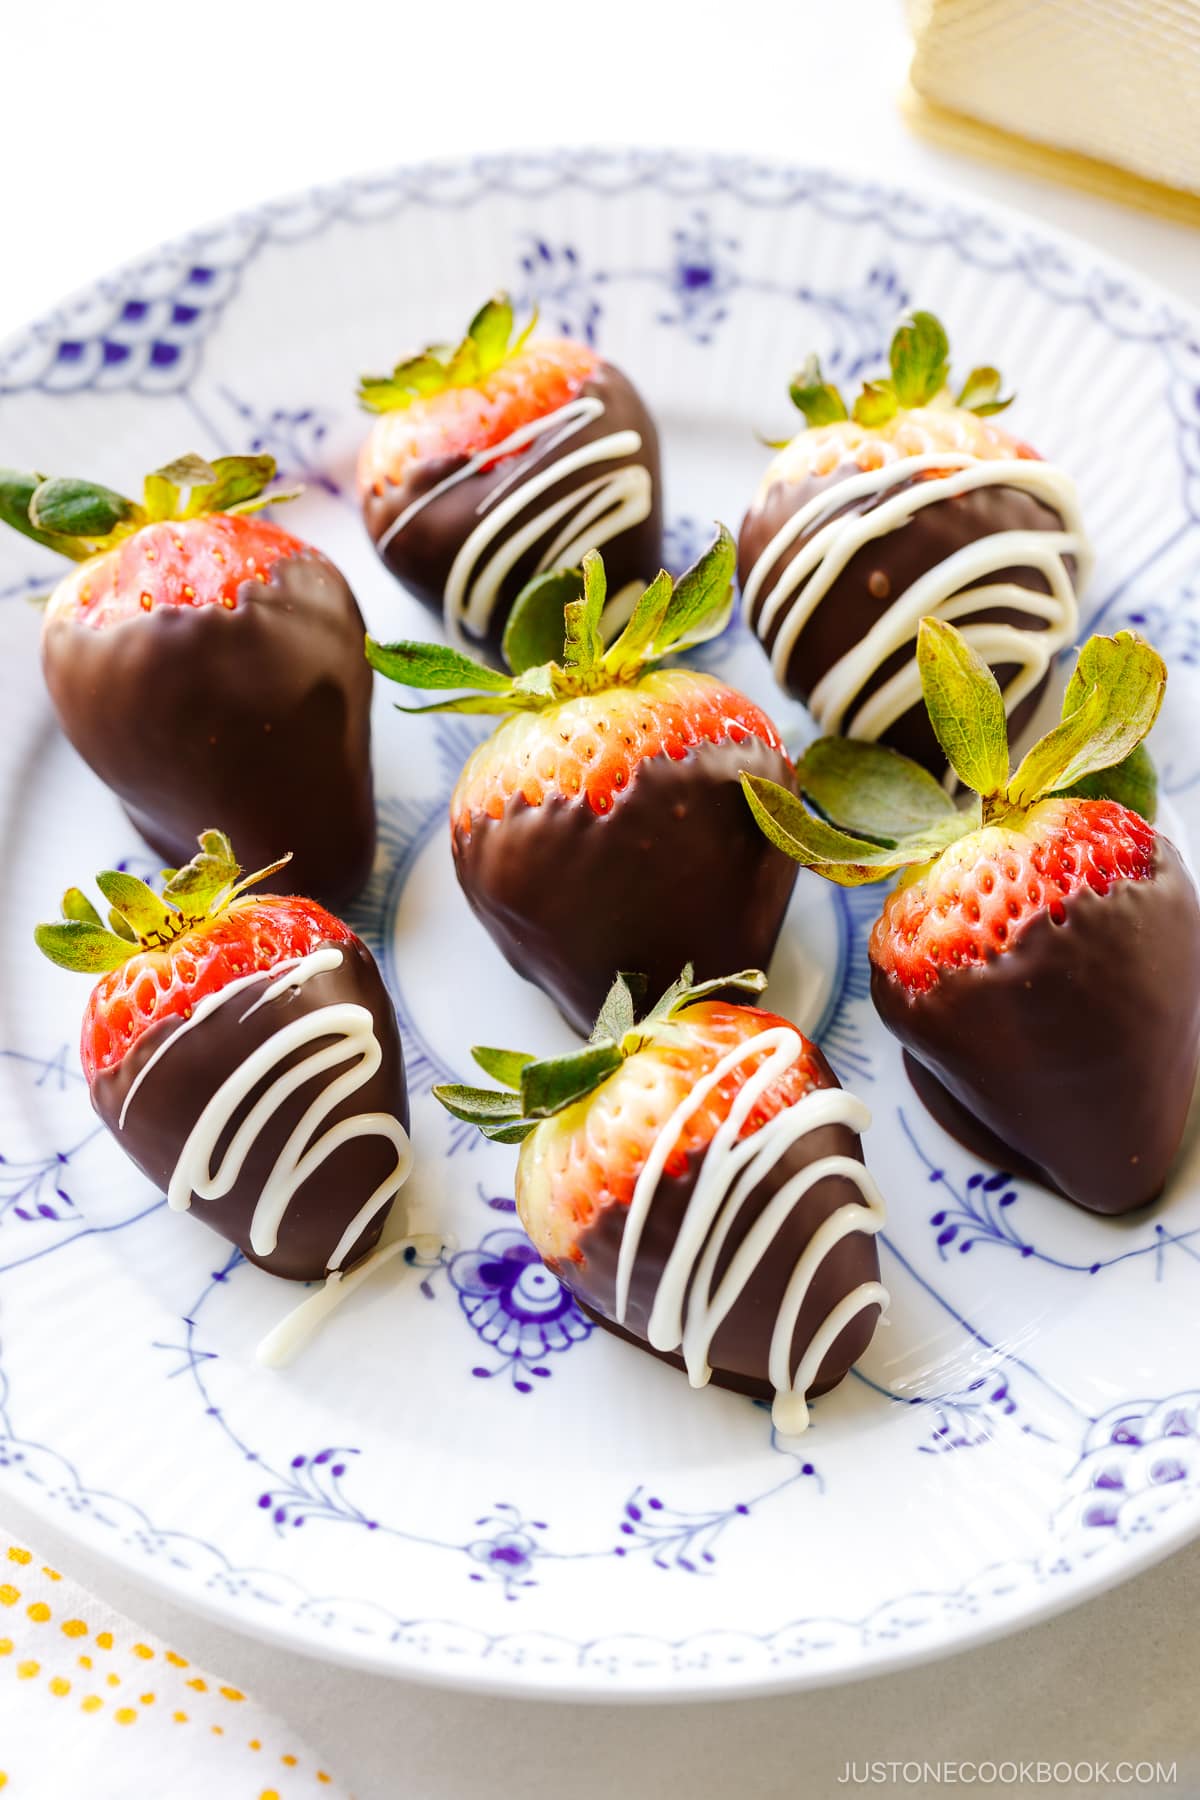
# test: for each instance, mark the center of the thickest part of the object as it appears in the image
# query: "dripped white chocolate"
(689, 1303)
(589, 516)
(346, 1033)
(908, 484)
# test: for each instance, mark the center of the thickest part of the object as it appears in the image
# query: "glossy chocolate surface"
(741, 1347)
(677, 872)
(877, 574)
(421, 554)
(1072, 1055)
(193, 1065)
(253, 719)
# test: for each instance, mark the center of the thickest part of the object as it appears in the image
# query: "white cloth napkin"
(89, 1704)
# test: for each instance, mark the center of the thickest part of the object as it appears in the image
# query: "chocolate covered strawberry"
(696, 1180)
(243, 1051)
(207, 664)
(602, 827)
(911, 502)
(1039, 957)
(500, 458)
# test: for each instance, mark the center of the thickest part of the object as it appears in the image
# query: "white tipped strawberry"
(695, 1178)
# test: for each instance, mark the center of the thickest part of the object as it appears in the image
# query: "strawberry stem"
(489, 342)
(893, 814)
(82, 519)
(140, 919)
(534, 1090)
(919, 363)
(563, 609)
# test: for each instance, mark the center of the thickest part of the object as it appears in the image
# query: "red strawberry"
(696, 1180)
(1039, 959)
(243, 1051)
(601, 827)
(501, 458)
(864, 522)
(206, 663)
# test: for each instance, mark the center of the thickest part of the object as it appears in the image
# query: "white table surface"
(122, 125)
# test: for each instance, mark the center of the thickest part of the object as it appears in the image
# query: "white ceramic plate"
(463, 1481)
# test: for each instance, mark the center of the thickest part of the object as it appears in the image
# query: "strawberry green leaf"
(920, 359)
(516, 1133)
(703, 597)
(409, 380)
(433, 666)
(980, 392)
(189, 471)
(871, 791)
(616, 1016)
(16, 493)
(478, 1106)
(121, 925)
(536, 630)
(488, 343)
(538, 684)
(635, 645)
(787, 822)
(842, 858)
(685, 990)
(965, 706)
(503, 1066)
(76, 905)
(876, 404)
(820, 403)
(163, 489)
(81, 509)
(1132, 783)
(78, 945)
(583, 648)
(492, 705)
(238, 481)
(151, 918)
(750, 981)
(671, 997)
(547, 1087)
(1111, 702)
(210, 873)
(490, 331)
(249, 881)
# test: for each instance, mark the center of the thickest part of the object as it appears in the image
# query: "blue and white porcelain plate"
(462, 1480)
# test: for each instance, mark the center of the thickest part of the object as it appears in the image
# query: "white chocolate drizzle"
(944, 590)
(345, 1033)
(284, 1342)
(596, 511)
(689, 1304)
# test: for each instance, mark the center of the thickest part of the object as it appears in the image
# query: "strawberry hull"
(256, 717)
(169, 1086)
(877, 574)
(741, 1347)
(420, 524)
(676, 872)
(1071, 1055)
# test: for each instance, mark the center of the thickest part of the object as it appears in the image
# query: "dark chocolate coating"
(421, 554)
(677, 872)
(849, 609)
(741, 1347)
(1076, 1049)
(175, 1091)
(253, 719)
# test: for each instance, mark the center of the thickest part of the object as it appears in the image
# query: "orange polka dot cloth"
(90, 1705)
